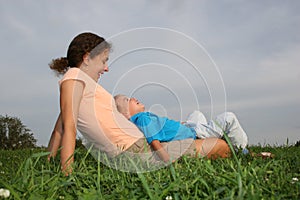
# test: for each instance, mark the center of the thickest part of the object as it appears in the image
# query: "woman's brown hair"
(80, 45)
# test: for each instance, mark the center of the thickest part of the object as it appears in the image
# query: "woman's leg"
(212, 148)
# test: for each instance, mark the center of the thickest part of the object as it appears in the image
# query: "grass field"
(27, 175)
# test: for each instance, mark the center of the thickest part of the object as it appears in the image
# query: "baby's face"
(135, 106)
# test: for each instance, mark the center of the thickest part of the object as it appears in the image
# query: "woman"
(85, 105)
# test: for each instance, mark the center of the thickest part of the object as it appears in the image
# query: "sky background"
(248, 59)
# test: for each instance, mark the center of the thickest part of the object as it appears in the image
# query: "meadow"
(27, 175)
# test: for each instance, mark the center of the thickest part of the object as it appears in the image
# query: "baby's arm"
(162, 153)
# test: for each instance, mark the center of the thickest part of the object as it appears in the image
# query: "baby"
(163, 129)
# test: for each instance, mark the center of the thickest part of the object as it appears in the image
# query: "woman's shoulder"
(74, 74)
(72, 70)
(71, 73)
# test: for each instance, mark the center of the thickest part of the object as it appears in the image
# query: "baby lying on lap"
(163, 129)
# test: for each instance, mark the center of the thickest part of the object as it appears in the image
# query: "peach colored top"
(99, 120)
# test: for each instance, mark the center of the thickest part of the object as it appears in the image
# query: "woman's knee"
(223, 149)
(212, 148)
(219, 150)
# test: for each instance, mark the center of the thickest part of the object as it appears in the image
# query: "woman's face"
(96, 66)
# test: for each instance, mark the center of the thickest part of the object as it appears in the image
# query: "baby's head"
(128, 106)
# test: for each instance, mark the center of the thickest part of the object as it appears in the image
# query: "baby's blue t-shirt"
(161, 128)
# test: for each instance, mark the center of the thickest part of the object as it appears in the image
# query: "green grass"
(28, 175)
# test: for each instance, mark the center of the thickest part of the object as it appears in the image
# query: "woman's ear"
(86, 58)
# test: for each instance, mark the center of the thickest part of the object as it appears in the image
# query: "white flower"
(4, 193)
(169, 198)
(294, 180)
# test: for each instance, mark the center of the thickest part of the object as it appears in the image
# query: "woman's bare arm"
(55, 139)
(70, 97)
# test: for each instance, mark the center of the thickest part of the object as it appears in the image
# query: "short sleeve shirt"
(99, 120)
(161, 128)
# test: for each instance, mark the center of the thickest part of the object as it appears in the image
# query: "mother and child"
(85, 105)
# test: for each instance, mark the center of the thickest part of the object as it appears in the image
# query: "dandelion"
(169, 198)
(4, 193)
(294, 180)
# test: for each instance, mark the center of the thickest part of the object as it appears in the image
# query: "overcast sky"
(240, 56)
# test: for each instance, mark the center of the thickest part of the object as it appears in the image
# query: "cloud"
(254, 44)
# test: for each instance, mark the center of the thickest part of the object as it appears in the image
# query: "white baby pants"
(224, 123)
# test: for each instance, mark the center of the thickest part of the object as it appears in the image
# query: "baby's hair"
(120, 105)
